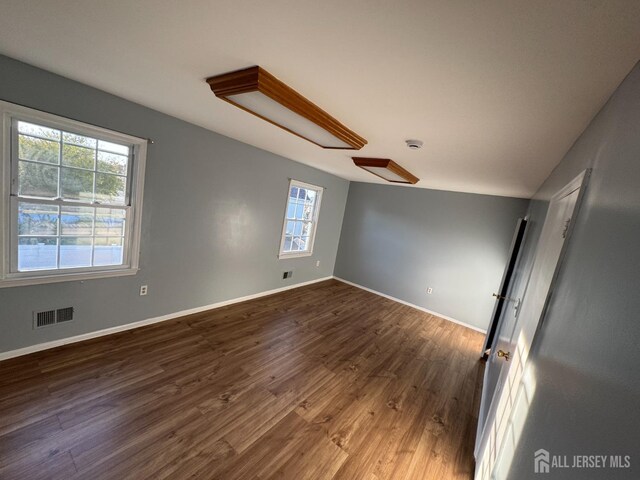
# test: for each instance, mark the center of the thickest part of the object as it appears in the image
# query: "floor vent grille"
(51, 317)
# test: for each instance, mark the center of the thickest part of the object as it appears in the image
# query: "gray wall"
(400, 240)
(586, 359)
(212, 217)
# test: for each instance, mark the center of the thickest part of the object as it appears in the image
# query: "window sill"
(284, 256)
(64, 277)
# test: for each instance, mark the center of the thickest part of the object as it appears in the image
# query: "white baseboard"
(149, 321)
(472, 327)
(170, 316)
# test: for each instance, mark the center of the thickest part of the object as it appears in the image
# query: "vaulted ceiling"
(497, 90)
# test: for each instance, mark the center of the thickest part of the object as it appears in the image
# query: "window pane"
(299, 211)
(37, 180)
(295, 245)
(77, 184)
(311, 197)
(291, 210)
(307, 212)
(302, 193)
(76, 221)
(75, 252)
(38, 131)
(37, 253)
(113, 147)
(287, 243)
(79, 140)
(298, 228)
(36, 219)
(112, 163)
(110, 188)
(78, 157)
(294, 192)
(290, 228)
(110, 221)
(38, 150)
(304, 243)
(108, 251)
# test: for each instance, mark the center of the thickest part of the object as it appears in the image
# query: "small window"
(300, 219)
(74, 199)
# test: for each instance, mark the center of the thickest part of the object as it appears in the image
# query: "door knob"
(505, 355)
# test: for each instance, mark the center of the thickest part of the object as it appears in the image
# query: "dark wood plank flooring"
(325, 381)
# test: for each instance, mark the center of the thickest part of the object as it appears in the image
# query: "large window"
(71, 200)
(300, 219)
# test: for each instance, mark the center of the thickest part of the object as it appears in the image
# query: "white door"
(512, 395)
(503, 320)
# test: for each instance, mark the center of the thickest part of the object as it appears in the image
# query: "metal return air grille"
(64, 314)
(51, 317)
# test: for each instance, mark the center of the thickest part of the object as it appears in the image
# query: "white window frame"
(314, 220)
(9, 276)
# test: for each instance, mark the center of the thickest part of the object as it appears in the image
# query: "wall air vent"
(51, 317)
(42, 319)
(64, 314)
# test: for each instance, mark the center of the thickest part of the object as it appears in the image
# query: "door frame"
(579, 182)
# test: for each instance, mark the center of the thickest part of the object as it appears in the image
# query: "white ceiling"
(497, 90)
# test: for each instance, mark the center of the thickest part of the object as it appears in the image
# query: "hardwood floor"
(325, 381)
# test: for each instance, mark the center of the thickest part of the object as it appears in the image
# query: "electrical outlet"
(317, 263)
(290, 273)
(143, 290)
(429, 290)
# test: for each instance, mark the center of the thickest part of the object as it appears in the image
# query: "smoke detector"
(414, 144)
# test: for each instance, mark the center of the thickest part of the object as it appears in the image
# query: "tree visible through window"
(301, 216)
